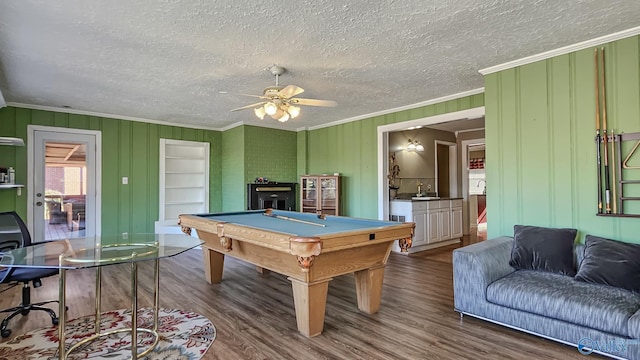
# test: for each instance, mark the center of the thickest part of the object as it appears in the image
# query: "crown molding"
(468, 130)
(562, 51)
(401, 108)
(105, 115)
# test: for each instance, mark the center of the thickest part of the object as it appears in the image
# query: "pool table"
(309, 249)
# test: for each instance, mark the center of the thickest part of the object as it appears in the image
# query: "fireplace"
(281, 196)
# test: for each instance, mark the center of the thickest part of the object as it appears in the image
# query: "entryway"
(63, 194)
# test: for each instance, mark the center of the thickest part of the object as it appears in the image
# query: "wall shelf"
(13, 186)
(620, 215)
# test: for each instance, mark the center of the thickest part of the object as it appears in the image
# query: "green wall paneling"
(128, 149)
(270, 153)
(233, 180)
(357, 159)
(301, 153)
(249, 152)
(540, 126)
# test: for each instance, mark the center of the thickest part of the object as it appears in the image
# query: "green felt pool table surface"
(332, 224)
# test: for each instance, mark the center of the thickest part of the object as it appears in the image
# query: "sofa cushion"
(539, 248)
(560, 297)
(610, 262)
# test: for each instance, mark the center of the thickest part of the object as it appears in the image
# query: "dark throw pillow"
(610, 262)
(540, 248)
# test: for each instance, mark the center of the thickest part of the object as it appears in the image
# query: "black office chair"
(13, 235)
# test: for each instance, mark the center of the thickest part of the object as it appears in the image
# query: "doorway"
(383, 150)
(474, 186)
(446, 166)
(64, 165)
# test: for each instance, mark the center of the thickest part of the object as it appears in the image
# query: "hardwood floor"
(255, 319)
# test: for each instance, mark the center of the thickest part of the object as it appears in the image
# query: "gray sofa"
(591, 317)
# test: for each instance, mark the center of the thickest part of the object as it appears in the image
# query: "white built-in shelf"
(184, 172)
(183, 202)
(184, 187)
(184, 178)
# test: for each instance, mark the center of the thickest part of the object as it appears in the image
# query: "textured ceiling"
(168, 60)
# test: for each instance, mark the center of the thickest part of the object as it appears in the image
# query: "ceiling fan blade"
(248, 106)
(313, 102)
(256, 96)
(290, 91)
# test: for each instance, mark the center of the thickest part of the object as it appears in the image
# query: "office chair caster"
(5, 333)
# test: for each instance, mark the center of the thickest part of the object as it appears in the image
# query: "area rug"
(184, 335)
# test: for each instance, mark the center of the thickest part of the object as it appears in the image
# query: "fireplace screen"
(281, 196)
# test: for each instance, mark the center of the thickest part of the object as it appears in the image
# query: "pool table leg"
(369, 289)
(310, 300)
(213, 265)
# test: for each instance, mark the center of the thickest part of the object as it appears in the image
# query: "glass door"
(309, 194)
(329, 195)
(64, 169)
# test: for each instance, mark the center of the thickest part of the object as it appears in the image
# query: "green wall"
(125, 208)
(251, 152)
(351, 150)
(541, 155)
(233, 169)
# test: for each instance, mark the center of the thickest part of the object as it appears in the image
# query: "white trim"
(270, 125)
(105, 115)
(241, 123)
(464, 144)
(561, 51)
(2, 102)
(401, 108)
(467, 130)
(383, 148)
(31, 129)
(266, 124)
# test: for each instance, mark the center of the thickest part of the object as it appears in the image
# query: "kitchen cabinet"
(438, 222)
(320, 194)
(444, 220)
(456, 219)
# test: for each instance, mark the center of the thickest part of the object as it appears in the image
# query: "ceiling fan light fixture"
(294, 111)
(270, 108)
(260, 112)
(284, 117)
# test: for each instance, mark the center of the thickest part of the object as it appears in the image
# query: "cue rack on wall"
(612, 182)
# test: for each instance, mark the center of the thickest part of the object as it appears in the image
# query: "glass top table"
(96, 252)
(99, 251)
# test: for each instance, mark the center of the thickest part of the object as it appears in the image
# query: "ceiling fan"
(280, 102)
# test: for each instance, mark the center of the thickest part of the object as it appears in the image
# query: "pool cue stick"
(614, 202)
(607, 191)
(598, 137)
(269, 212)
(619, 168)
